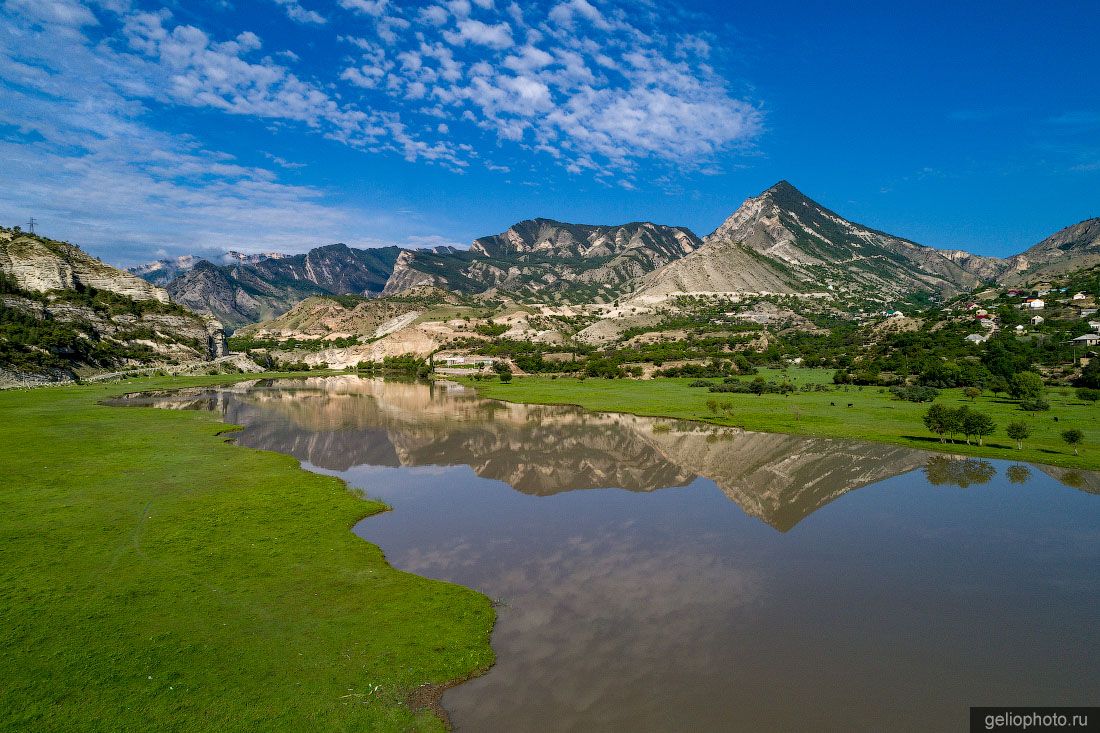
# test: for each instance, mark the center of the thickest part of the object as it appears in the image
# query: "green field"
(874, 414)
(155, 577)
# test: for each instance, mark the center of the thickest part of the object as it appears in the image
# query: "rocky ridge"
(65, 312)
(783, 242)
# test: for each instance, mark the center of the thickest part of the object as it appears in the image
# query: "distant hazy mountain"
(784, 242)
(161, 272)
(1073, 248)
(545, 259)
(247, 291)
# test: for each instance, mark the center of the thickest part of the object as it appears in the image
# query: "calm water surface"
(664, 575)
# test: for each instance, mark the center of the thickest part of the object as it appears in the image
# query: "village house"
(461, 360)
(1035, 303)
(1089, 339)
(1036, 320)
(977, 338)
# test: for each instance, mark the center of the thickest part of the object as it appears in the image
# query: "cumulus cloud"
(498, 35)
(368, 7)
(296, 12)
(81, 156)
(598, 87)
(591, 84)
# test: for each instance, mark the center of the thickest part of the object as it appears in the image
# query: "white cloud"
(600, 88)
(565, 13)
(82, 157)
(63, 13)
(369, 7)
(498, 35)
(598, 85)
(433, 15)
(296, 12)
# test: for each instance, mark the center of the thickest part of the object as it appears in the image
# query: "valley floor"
(862, 413)
(155, 576)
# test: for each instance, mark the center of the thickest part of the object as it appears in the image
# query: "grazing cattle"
(849, 404)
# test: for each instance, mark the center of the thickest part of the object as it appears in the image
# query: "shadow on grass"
(963, 444)
(956, 443)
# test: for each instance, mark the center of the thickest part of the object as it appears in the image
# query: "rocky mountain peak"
(1075, 247)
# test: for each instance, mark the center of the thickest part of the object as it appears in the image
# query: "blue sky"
(148, 129)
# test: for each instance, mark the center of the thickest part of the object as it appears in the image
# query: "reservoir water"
(659, 575)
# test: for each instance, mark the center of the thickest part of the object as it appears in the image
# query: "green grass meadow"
(874, 414)
(154, 576)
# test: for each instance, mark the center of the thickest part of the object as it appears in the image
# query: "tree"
(954, 421)
(977, 424)
(1026, 386)
(941, 470)
(998, 385)
(973, 393)
(1018, 431)
(934, 420)
(504, 370)
(1090, 375)
(942, 420)
(1073, 438)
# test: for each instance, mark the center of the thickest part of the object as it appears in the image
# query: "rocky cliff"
(40, 265)
(1073, 248)
(543, 259)
(63, 312)
(247, 292)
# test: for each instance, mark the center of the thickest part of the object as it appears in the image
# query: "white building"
(976, 338)
(1089, 339)
(1036, 304)
(1036, 320)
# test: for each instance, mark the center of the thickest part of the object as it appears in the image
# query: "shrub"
(915, 394)
(1088, 394)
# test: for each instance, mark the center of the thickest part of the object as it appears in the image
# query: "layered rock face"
(40, 265)
(71, 312)
(250, 291)
(540, 258)
(1073, 248)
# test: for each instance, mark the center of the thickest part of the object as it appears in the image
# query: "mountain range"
(779, 242)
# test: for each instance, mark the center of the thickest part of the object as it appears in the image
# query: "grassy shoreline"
(873, 415)
(156, 576)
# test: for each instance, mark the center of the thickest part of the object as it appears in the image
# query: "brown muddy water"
(658, 575)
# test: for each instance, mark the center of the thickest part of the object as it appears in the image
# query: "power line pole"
(31, 224)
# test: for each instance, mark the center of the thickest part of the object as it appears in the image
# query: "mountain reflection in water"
(951, 582)
(336, 423)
